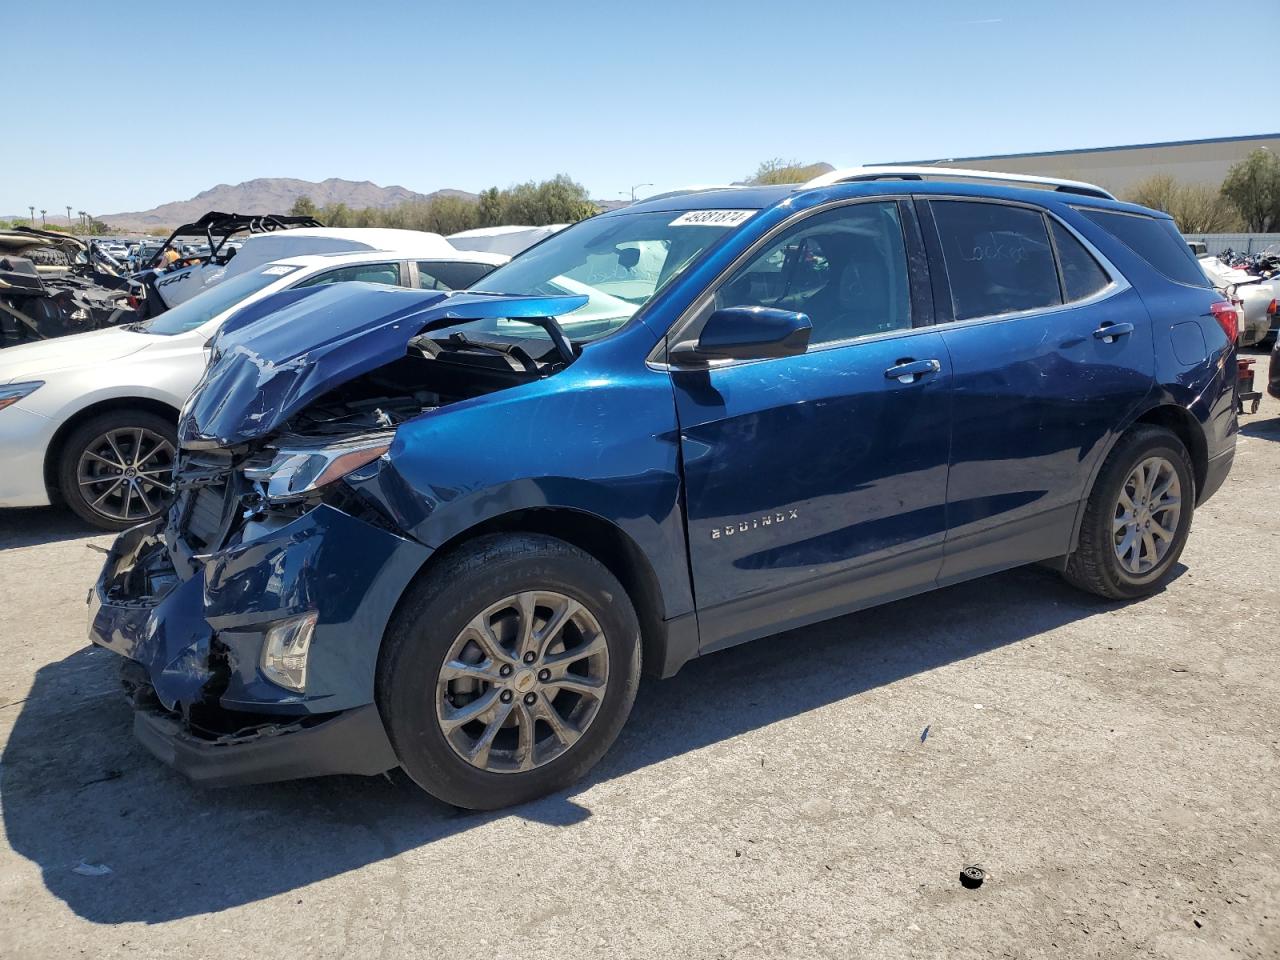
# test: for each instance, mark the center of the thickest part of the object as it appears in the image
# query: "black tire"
(78, 498)
(434, 612)
(46, 257)
(1095, 566)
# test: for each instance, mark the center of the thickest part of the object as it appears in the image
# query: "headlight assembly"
(11, 393)
(299, 470)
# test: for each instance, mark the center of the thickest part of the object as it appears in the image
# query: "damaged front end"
(52, 285)
(252, 615)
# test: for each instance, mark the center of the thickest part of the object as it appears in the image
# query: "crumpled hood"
(282, 353)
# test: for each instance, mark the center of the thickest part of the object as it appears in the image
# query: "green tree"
(303, 207)
(1195, 207)
(1253, 187)
(489, 208)
(777, 171)
(336, 215)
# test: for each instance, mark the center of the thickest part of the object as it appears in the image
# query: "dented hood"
(282, 353)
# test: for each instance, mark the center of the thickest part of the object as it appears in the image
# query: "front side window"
(846, 269)
(998, 258)
(387, 273)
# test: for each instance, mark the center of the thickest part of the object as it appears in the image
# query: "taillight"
(1227, 317)
(1271, 308)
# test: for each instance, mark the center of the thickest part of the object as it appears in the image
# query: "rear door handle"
(911, 371)
(1110, 332)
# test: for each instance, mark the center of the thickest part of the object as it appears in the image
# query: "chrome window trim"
(1117, 286)
(690, 313)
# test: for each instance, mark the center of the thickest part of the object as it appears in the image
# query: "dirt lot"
(1114, 767)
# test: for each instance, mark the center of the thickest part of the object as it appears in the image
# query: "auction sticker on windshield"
(711, 218)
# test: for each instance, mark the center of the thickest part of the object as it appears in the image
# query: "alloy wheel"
(1146, 515)
(126, 474)
(522, 682)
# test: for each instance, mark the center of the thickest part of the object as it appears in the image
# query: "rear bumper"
(353, 742)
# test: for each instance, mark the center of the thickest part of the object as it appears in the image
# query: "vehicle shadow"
(1268, 429)
(32, 526)
(77, 788)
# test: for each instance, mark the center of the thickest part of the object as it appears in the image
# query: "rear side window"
(1156, 241)
(1082, 275)
(450, 274)
(998, 258)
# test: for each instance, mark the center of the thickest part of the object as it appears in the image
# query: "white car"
(90, 419)
(178, 284)
(1257, 297)
(508, 240)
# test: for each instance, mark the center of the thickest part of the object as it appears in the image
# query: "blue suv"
(447, 531)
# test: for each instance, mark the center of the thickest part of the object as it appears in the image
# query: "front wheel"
(1137, 517)
(508, 671)
(116, 469)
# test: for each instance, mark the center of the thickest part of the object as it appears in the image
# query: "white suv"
(89, 419)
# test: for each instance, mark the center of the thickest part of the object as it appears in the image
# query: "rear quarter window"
(1155, 240)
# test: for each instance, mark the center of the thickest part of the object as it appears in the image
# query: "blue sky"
(141, 105)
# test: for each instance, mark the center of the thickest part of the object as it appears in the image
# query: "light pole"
(623, 193)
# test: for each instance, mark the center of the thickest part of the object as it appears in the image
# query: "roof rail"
(698, 188)
(892, 172)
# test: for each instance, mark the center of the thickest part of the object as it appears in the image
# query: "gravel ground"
(1113, 767)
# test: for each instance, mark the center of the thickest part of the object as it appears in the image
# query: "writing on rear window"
(711, 218)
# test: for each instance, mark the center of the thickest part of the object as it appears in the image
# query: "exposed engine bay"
(240, 491)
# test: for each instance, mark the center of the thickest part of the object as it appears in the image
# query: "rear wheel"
(508, 671)
(116, 468)
(1137, 518)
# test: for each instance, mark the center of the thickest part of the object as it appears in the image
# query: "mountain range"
(270, 195)
(277, 195)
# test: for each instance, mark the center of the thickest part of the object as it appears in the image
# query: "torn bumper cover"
(193, 635)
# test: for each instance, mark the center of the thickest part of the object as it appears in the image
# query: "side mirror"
(746, 333)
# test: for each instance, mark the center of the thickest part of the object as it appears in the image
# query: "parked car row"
(95, 427)
(442, 518)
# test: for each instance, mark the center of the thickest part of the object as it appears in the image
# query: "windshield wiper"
(564, 347)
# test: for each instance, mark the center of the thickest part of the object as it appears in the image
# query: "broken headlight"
(299, 470)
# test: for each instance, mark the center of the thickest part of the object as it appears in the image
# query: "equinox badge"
(746, 526)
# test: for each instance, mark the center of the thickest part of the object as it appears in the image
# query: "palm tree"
(43, 221)
(68, 216)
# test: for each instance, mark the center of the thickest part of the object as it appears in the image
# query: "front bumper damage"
(191, 628)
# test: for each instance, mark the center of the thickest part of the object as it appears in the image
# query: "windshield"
(619, 263)
(204, 306)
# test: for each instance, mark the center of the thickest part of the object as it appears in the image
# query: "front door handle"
(1110, 332)
(911, 371)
